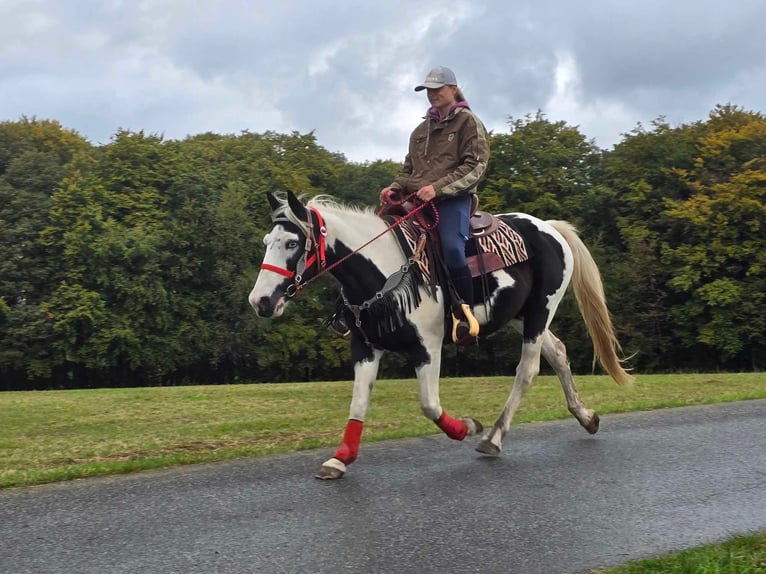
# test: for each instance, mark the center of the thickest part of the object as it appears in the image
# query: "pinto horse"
(389, 307)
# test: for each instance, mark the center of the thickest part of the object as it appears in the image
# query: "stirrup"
(467, 326)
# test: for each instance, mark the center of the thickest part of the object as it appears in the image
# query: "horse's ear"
(273, 201)
(296, 206)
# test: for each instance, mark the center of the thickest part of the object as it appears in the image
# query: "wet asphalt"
(556, 501)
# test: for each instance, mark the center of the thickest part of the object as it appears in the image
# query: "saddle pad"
(501, 248)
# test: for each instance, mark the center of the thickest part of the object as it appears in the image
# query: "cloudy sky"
(346, 69)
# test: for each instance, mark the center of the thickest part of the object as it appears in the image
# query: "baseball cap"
(438, 77)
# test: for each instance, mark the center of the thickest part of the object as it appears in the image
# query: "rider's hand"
(384, 193)
(426, 193)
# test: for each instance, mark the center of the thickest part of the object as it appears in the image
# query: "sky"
(346, 69)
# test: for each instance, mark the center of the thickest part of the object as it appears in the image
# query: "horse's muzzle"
(264, 307)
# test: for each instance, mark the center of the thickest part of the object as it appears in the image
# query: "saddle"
(493, 243)
(482, 223)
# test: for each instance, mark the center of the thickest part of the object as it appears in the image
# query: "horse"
(388, 306)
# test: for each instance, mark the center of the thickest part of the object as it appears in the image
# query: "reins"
(297, 285)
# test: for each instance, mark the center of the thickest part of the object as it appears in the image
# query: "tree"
(130, 263)
(717, 246)
(541, 168)
(66, 146)
(633, 182)
(111, 226)
(360, 184)
(34, 158)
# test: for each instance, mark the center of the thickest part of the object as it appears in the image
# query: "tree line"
(130, 263)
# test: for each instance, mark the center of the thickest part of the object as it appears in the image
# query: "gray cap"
(438, 77)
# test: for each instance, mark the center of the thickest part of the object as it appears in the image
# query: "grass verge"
(60, 435)
(740, 555)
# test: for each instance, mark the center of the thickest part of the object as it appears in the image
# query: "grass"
(740, 555)
(48, 436)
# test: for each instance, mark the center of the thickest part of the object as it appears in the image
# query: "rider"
(447, 158)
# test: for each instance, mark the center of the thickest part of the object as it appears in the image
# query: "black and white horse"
(389, 307)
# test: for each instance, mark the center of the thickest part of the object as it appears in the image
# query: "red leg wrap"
(352, 436)
(453, 428)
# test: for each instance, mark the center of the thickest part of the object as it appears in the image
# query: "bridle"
(314, 252)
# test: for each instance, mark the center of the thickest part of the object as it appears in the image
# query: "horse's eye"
(292, 244)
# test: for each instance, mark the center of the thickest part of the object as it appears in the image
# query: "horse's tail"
(589, 291)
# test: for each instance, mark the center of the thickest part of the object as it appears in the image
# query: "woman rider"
(447, 158)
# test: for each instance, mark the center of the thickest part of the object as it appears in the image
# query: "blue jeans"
(454, 214)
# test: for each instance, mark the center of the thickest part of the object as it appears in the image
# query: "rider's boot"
(465, 327)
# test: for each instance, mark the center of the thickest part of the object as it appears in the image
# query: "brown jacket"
(450, 154)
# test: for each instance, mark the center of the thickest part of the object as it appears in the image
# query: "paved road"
(556, 501)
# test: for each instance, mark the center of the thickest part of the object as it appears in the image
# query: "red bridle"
(308, 259)
(286, 272)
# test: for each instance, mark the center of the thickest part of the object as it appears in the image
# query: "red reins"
(320, 244)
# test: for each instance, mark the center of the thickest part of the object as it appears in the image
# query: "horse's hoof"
(488, 447)
(592, 426)
(474, 426)
(331, 469)
(329, 473)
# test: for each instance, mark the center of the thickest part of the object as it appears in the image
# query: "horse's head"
(288, 256)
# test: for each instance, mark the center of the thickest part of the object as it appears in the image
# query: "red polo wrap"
(352, 436)
(453, 428)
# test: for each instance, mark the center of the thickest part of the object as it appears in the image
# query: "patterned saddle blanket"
(493, 245)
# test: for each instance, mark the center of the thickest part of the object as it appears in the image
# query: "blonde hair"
(459, 97)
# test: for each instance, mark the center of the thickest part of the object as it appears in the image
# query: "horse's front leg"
(365, 373)
(430, 403)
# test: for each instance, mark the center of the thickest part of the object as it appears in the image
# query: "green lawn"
(59, 435)
(741, 555)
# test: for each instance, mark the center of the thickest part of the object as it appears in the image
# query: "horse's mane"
(329, 202)
(320, 202)
(323, 202)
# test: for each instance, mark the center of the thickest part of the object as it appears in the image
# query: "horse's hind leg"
(526, 371)
(555, 353)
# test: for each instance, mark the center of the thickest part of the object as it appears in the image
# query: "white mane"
(367, 224)
(328, 203)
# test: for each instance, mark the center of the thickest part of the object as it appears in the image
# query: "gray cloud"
(346, 69)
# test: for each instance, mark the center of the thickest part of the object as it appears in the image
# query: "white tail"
(589, 291)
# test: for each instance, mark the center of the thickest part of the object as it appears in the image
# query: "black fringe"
(389, 313)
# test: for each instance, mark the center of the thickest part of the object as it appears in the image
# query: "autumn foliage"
(130, 263)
